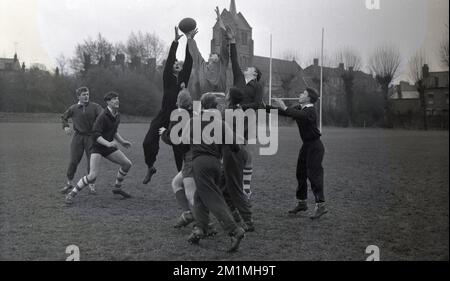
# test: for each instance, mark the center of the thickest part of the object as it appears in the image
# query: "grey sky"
(43, 29)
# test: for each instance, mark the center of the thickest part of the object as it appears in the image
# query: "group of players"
(212, 178)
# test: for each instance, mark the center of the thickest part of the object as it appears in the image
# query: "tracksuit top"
(83, 117)
(172, 83)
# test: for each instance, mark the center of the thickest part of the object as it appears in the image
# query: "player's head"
(82, 94)
(112, 99)
(308, 96)
(208, 101)
(252, 72)
(213, 58)
(177, 66)
(235, 96)
(184, 99)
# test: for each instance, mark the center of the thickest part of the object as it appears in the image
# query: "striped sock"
(120, 177)
(247, 178)
(82, 183)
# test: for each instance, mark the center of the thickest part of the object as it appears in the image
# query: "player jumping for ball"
(175, 74)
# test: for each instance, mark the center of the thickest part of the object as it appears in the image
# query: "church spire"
(233, 8)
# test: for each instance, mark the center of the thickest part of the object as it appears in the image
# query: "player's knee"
(127, 165)
(92, 177)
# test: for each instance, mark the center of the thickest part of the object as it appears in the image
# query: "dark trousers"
(208, 196)
(232, 181)
(309, 166)
(80, 144)
(151, 141)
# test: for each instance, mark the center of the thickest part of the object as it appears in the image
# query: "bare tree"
(61, 62)
(416, 65)
(384, 63)
(145, 46)
(350, 57)
(443, 49)
(352, 61)
(92, 51)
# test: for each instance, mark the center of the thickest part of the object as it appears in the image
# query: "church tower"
(244, 41)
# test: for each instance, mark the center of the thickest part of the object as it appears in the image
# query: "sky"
(41, 30)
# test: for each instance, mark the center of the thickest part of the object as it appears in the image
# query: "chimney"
(316, 62)
(425, 71)
(341, 66)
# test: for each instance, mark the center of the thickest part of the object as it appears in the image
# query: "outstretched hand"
(217, 12)
(278, 102)
(219, 19)
(177, 35)
(231, 34)
(191, 34)
(161, 130)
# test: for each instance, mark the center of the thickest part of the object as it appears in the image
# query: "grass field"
(384, 188)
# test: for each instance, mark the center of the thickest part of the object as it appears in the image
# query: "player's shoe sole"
(66, 189)
(148, 177)
(236, 238)
(301, 207)
(119, 191)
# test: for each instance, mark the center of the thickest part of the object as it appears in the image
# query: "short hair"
(312, 94)
(184, 99)
(81, 90)
(236, 95)
(208, 101)
(258, 73)
(110, 95)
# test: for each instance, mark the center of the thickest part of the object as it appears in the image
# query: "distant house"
(7, 64)
(404, 99)
(436, 92)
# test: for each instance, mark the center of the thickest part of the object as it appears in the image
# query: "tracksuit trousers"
(80, 144)
(309, 166)
(208, 196)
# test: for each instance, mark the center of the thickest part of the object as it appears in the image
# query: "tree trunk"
(387, 114)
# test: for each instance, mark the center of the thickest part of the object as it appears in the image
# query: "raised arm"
(299, 114)
(224, 50)
(172, 55)
(238, 76)
(187, 68)
(219, 19)
(197, 58)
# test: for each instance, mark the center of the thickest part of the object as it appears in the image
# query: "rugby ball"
(187, 24)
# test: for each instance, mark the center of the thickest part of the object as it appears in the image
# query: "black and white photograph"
(224, 131)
